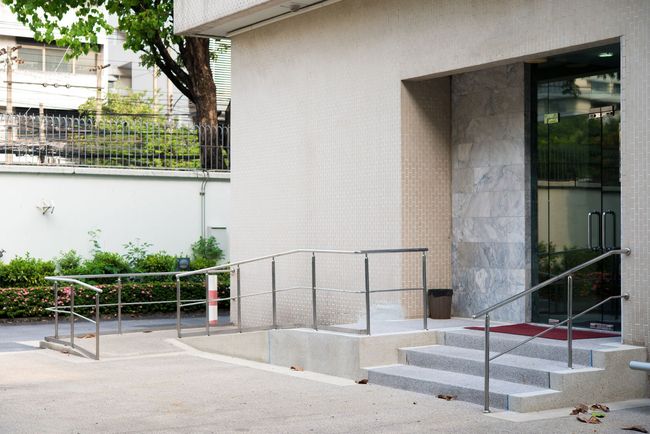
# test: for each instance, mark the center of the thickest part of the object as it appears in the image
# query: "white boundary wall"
(159, 207)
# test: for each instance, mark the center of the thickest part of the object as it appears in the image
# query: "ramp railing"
(70, 311)
(234, 269)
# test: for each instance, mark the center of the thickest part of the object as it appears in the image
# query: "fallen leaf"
(580, 408)
(637, 428)
(447, 397)
(87, 336)
(297, 368)
(602, 407)
(598, 414)
(363, 381)
(587, 418)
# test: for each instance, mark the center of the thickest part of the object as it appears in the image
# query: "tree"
(149, 29)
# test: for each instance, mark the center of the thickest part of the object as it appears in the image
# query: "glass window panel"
(55, 61)
(32, 58)
(85, 64)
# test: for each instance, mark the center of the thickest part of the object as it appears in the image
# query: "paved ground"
(185, 390)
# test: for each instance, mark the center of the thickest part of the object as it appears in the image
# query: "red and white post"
(213, 294)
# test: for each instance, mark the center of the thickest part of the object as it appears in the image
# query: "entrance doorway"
(576, 182)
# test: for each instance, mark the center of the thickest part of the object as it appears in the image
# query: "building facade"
(508, 137)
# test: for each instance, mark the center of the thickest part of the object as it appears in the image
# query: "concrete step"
(539, 348)
(465, 387)
(513, 368)
(65, 349)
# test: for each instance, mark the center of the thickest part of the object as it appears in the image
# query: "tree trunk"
(196, 58)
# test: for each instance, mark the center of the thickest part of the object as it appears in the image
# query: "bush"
(207, 248)
(105, 263)
(25, 271)
(32, 301)
(156, 263)
(68, 263)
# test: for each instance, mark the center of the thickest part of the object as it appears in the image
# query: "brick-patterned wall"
(426, 184)
(316, 115)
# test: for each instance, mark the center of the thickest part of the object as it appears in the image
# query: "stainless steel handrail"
(234, 267)
(569, 321)
(71, 312)
(552, 280)
(261, 258)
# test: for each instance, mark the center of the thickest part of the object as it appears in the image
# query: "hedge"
(32, 301)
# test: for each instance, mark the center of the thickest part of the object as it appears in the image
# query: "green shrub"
(25, 271)
(207, 248)
(156, 262)
(105, 263)
(68, 263)
(30, 302)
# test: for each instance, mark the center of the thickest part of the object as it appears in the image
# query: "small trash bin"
(440, 303)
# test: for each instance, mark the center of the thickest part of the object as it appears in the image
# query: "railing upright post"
(178, 307)
(207, 304)
(569, 302)
(425, 304)
(273, 298)
(72, 316)
(97, 326)
(56, 310)
(367, 282)
(486, 373)
(313, 291)
(119, 305)
(239, 326)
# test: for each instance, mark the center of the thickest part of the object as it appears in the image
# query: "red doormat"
(559, 333)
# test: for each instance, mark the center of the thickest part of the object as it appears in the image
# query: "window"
(33, 58)
(55, 61)
(85, 64)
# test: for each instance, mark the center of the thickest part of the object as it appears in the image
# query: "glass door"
(578, 195)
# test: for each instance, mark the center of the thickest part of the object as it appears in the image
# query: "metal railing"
(113, 143)
(235, 267)
(569, 321)
(57, 310)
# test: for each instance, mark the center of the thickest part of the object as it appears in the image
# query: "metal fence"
(113, 143)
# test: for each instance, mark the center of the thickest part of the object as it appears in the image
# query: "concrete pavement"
(187, 390)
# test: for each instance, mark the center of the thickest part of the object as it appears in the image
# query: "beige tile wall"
(317, 137)
(426, 185)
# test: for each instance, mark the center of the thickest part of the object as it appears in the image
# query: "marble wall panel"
(489, 191)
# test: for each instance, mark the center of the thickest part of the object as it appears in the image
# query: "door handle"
(590, 236)
(604, 230)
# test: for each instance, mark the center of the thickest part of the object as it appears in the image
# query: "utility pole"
(155, 89)
(9, 62)
(170, 100)
(98, 97)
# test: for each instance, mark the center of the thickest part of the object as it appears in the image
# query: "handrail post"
(97, 326)
(178, 307)
(569, 330)
(486, 373)
(367, 281)
(119, 305)
(72, 316)
(238, 299)
(207, 304)
(273, 299)
(425, 305)
(313, 291)
(56, 310)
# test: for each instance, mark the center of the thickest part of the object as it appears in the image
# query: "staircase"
(533, 377)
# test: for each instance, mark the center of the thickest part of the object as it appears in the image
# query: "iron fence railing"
(113, 143)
